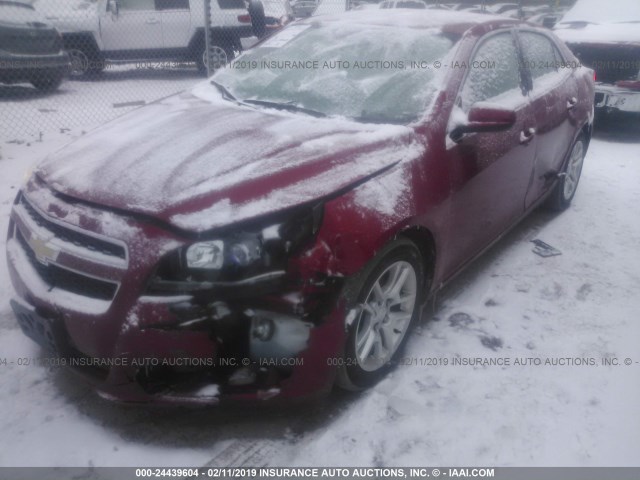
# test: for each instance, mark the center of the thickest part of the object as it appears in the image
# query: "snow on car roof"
(588, 22)
(592, 11)
(628, 33)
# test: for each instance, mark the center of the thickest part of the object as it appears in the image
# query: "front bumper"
(613, 98)
(164, 349)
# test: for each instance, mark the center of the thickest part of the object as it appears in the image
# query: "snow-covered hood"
(69, 16)
(200, 164)
(602, 34)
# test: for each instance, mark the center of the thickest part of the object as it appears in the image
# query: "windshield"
(593, 11)
(381, 74)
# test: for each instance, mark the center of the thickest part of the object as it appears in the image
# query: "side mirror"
(485, 118)
(113, 7)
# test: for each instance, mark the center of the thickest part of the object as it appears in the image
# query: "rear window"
(231, 4)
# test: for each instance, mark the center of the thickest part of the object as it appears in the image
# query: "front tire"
(565, 188)
(386, 296)
(48, 82)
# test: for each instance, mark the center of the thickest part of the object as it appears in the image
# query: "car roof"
(457, 22)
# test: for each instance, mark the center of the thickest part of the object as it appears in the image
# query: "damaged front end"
(242, 314)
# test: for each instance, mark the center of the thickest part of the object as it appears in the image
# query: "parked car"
(284, 230)
(499, 8)
(608, 41)
(419, 4)
(546, 20)
(30, 49)
(303, 8)
(152, 30)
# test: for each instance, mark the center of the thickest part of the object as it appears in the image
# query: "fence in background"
(122, 54)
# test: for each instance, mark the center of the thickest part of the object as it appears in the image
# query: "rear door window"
(136, 5)
(540, 55)
(172, 4)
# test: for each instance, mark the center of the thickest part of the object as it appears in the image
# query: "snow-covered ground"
(511, 305)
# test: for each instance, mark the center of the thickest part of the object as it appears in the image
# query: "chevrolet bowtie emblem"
(43, 251)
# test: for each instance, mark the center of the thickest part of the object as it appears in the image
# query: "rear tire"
(565, 188)
(387, 295)
(220, 55)
(48, 82)
(84, 62)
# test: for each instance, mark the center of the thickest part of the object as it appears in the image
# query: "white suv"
(142, 30)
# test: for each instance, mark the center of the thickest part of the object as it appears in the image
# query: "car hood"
(201, 163)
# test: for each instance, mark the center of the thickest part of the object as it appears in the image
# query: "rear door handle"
(527, 135)
(571, 103)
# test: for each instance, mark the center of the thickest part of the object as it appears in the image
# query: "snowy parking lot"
(521, 361)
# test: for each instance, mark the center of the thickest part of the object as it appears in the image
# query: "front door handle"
(527, 135)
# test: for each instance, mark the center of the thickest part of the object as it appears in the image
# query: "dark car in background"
(607, 39)
(278, 229)
(30, 49)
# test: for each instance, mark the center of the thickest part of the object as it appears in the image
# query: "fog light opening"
(263, 328)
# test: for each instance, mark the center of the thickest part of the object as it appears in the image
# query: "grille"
(76, 238)
(57, 277)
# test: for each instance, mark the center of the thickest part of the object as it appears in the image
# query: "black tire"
(47, 82)
(357, 373)
(258, 18)
(221, 53)
(565, 188)
(85, 61)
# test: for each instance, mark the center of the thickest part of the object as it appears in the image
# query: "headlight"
(209, 255)
(256, 249)
(213, 255)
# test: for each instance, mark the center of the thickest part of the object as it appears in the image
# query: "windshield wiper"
(226, 94)
(289, 106)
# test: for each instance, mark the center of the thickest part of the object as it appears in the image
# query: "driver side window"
(494, 72)
(136, 5)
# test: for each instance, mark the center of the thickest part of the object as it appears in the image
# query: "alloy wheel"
(386, 315)
(574, 169)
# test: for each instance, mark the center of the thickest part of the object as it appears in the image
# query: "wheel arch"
(80, 39)
(424, 240)
(220, 36)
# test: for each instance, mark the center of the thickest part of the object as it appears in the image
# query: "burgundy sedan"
(277, 230)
